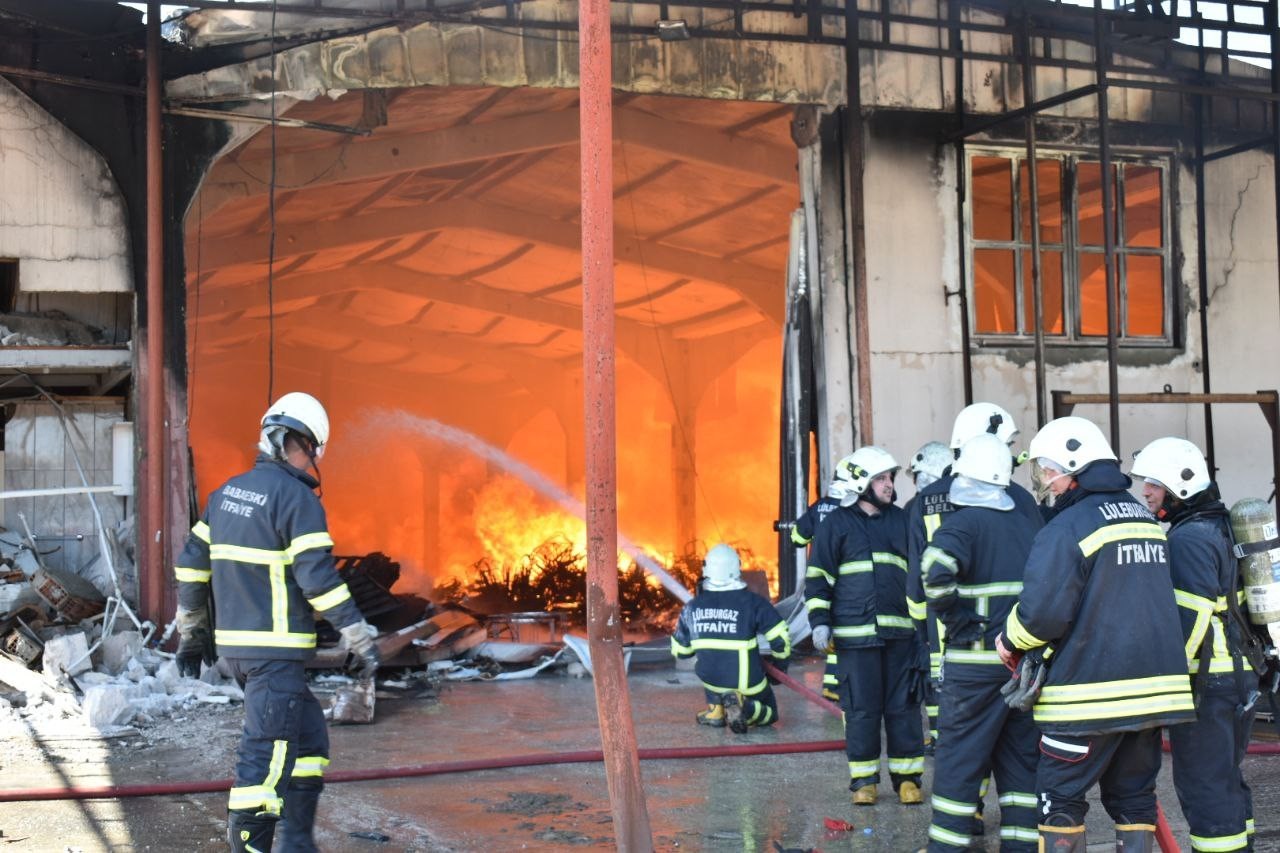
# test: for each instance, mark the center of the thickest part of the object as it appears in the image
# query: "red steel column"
(151, 528)
(604, 624)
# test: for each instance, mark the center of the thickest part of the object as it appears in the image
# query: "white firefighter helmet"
(985, 458)
(862, 466)
(722, 570)
(931, 460)
(980, 418)
(1175, 464)
(1070, 444)
(294, 412)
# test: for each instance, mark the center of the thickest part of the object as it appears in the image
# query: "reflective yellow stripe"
(832, 660)
(279, 598)
(1115, 689)
(889, 559)
(819, 572)
(863, 768)
(946, 836)
(1016, 798)
(263, 797)
(988, 589)
(201, 531)
(817, 604)
(1196, 637)
(856, 567)
(1193, 602)
(917, 609)
(932, 591)
(1018, 635)
(1050, 713)
(1135, 827)
(1019, 833)
(240, 554)
(936, 555)
(310, 765)
(798, 538)
(183, 573)
(332, 598)
(779, 630)
(1061, 830)
(855, 631)
(954, 807)
(272, 639)
(742, 686)
(887, 621)
(723, 645)
(676, 648)
(307, 541)
(1220, 842)
(971, 656)
(1094, 542)
(906, 766)
(931, 524)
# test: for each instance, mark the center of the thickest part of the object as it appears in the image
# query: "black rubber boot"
(1059, 835)
(298, 820)
(250, 832)
(1135, 838)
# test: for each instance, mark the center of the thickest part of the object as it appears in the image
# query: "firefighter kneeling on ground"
(972, 577)
(721, 625)
(262, 551)
(1097, 607)
(855, 592)
(1207, 753)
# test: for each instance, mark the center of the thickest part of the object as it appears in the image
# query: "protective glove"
(196, 645)
(358, 637)
(965, 628)
(821, 638)
(1010, 657)
(1024, 686)
(918, 675)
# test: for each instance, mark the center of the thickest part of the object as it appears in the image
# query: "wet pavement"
(759, 803)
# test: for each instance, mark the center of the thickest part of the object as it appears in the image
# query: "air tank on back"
(1253, 526)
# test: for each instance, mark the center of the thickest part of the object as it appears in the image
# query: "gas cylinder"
(1253, 526)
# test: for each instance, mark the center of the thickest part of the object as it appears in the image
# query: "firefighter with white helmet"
(720, 625)
(929, 509)
(263, 553)
(856, 597)
(972, 572)
(1098, 606)
(1215, 798)
(930, 463)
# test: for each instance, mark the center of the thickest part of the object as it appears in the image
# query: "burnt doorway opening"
(425, 285)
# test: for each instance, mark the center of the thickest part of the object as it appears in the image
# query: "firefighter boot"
(713, 716)
(1135, 838)
(250, 832)
(733, 713)
(865, 796)
(1059, 834)
(909, 794)
(299, 818)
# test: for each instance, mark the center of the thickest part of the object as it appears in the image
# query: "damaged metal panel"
(63, 217)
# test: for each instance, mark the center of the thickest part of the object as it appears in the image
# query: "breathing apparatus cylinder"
(1253, 526)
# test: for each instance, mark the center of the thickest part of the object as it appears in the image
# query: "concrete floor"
(720, 804)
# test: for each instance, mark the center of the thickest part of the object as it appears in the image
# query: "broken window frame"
(1071, 248)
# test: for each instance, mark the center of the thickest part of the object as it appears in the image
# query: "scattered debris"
(353, 702)
(371, 836)
(835, 824)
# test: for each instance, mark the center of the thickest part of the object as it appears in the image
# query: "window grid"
(1070, 249)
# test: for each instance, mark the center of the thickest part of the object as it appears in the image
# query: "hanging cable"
(270, 242)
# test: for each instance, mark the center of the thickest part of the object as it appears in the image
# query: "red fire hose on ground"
(1164, 835)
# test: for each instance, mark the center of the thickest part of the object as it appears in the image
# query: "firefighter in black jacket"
(721, 625)
(802, 534)
(1207, 753)
(972, 577)
(262, 551)
(1098, 604)
(931, 463)
(855, 591)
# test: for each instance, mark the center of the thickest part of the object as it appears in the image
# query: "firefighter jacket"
(807, 525)
(1097, 591)
(857, 575)
(925, 514)
(263, 550)
(1204, 574)
(972, 578)
(721, 629)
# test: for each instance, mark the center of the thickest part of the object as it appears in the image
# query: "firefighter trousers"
(285, 736)
(979, 734)
(1125, 764)
(758, 709)
(1215, 798)
(873, 683)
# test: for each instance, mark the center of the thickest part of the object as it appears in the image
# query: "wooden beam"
(385, 156)
(762, 287)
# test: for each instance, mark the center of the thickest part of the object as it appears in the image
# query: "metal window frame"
(1071, 248)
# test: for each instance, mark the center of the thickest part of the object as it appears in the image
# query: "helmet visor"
(1043, 475)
